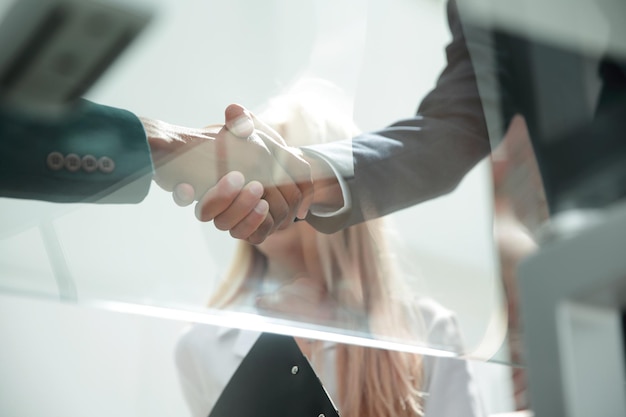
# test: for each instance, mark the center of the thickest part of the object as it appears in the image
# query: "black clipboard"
(274, 380)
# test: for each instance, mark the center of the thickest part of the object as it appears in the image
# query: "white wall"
(196, 57)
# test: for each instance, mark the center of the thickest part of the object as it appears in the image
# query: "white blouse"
(207, 356)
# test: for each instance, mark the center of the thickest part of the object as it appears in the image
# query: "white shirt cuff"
(345, 193)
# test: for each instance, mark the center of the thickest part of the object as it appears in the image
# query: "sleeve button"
(106, 164)
(89, 163)
(55, 161)
(72, 162)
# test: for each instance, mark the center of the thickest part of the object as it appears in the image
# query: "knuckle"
(265, 228)
(280, 213)
(255, 239)
(221, 224)
(238, 234)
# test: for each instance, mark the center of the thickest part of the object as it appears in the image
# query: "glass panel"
(75, 359)
(156, 259)
(436, 277)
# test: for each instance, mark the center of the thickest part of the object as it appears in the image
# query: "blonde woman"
(349, 274)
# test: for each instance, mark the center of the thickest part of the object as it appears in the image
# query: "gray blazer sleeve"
(419, 158)
(94, 153)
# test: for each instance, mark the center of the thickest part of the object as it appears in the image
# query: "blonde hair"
(358, 271)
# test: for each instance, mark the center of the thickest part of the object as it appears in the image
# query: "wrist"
(167, 140)
(158, 141)
(327, 193)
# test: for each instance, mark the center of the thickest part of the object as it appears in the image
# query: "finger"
(238, 121)
(263, 231)
(279, 209)
(298, 170)
(242, 206)
(253, 221)
(291, 194)
(184, 194)
(220, 197)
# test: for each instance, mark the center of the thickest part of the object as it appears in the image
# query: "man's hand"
(182, 155)
(289, 165)
(250, 183)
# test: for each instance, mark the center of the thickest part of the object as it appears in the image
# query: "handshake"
(243, 175)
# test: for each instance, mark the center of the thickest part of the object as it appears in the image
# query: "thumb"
(184, 194)
(239, 121)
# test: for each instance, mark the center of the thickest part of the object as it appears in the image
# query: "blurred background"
(195, 58)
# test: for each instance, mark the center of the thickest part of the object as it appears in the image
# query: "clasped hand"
(243, 175)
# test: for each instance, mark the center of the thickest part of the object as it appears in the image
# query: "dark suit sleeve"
(94, 153)
(420, 158)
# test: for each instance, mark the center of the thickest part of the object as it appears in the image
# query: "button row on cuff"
(73, 162)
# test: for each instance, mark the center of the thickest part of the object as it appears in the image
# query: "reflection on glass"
(117, 254)
(346, 287)
(92, 258)
(348, 280)
(437, 295)
(520, 209)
